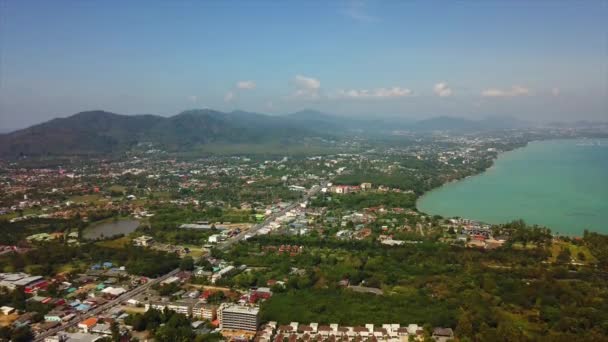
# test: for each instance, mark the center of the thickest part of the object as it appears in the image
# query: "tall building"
(238, 317)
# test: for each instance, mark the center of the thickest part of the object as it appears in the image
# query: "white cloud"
(229, 96)
(442, 89)
(193, 98)
(306, 87)
(246, 85)
(555, 91)
(356, 11)
(514, 91)
(377, 93)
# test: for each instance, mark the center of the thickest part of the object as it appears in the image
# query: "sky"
(538, 60)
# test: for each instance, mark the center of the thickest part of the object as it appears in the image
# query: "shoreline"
(566, 228)
(492, 166)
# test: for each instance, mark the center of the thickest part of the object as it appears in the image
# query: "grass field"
(556, 248)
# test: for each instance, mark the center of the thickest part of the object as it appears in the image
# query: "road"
(96, 311)
(138, 290)
(256, 227)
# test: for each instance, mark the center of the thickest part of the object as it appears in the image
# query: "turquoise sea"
(560, 184)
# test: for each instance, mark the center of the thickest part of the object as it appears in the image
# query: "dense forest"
(508, 294)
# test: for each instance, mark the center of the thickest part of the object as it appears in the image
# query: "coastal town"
(152, 246)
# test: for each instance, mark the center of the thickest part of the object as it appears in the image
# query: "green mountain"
(99, 132)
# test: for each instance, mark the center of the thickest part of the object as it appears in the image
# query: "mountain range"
(101, 132)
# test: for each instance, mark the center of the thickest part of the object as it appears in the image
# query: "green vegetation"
(52, 258)
(360, 200)
(510, 293)
(168, 326)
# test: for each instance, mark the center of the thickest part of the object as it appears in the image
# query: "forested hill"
(100, 132)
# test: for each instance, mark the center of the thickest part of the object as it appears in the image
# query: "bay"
(560, 184)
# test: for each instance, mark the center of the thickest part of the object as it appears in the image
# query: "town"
(306, 247)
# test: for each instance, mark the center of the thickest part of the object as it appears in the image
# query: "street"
(96, 311)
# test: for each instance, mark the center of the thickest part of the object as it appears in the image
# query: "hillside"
(99, 132)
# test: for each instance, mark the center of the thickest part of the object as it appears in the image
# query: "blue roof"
(83, 307)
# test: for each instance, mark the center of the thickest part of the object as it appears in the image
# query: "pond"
(110, 228)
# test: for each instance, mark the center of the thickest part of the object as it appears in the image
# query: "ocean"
(560, 184)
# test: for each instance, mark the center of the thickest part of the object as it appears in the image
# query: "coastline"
(492, 166)
(490, 200)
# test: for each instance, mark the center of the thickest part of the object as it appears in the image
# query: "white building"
(217, 276)
(204, 311)
(238, 317)
(143, 241)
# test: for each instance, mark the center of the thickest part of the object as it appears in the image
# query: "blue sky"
(544, 60)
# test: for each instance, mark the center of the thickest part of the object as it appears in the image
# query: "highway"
(256, 227)
(107, 306)
(138, 290)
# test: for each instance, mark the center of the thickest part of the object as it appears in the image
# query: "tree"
(187, 264)
(465, 324)
(115, 331)
(18, 298)
(22, 334)
(564, 256)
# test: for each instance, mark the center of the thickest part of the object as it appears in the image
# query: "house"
(24, 319)
(443, 334)
(86, 325)
(54, 316)
(102, 329)
(215, 238)
(143, 241)
(7, 310)
(113, 291)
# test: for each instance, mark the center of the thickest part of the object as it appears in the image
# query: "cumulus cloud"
(306, 87)
(193, 98)
(245, 85)
(442, 89)
(240, 86)
(377, 93)
(229, 96)
(514, 91)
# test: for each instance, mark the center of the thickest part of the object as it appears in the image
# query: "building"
(7, 310)
(14, 280)
(113, 291)
(143, 241)
(215, 238)
(443, 334)
(54, 316)
(204, 311)
(86, 325)
(238, 317)
(183, 306)
(73, 337)
(224, 271)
